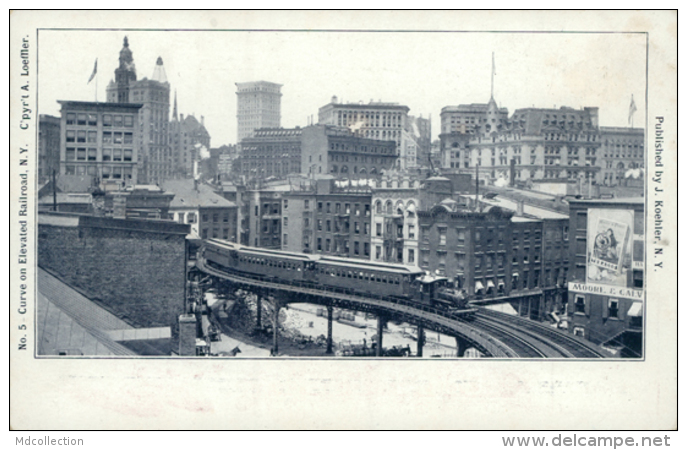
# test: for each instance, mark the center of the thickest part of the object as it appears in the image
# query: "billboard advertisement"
(609, 246)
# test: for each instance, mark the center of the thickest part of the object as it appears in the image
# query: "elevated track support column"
(461, 346)
(380, 332)
(420, 340)
(330, 314)
(275, 327)
(258, 320)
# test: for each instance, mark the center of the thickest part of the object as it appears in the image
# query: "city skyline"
(541, 70)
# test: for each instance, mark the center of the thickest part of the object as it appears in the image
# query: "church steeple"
(174, 111)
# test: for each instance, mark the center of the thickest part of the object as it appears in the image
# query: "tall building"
(100, 141)
(155, 158)
(258, 106)
(374, 120)
(48, 146)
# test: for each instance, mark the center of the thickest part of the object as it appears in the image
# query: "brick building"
(374, 120)
(314, 150)
(396, 200)
(135, 269)
(271, 152)
(328, 218)
(606, 288)
(209, 215)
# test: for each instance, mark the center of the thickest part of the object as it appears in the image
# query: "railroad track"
(520, 344)
(500, 335)
(567, 345)
(490, 344)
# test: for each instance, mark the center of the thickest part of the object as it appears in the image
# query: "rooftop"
(188, 194)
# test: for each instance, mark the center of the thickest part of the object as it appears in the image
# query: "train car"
(368, 277)
(251, 261)
(358, 277)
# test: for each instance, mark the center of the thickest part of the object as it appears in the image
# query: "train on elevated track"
(393, 282)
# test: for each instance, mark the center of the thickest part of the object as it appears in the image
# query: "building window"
(356, 248)
(579, 304)
(190, 217)
(411, 256)
(578, 331)
(378, 229)
(285, 241)
(71, 118)
(378, 252)
(442, 236)
(306, 204)
(366, 249)
(613, 308)
(319, 206)
(424, 261)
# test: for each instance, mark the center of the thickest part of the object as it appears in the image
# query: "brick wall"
(139, 275)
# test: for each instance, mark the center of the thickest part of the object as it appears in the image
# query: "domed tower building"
(155, 157)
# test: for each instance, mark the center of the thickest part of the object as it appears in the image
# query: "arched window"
(344, 169)
(389, 207)
(378, 207)
(335, 168)
(373, 171)
(399, 207)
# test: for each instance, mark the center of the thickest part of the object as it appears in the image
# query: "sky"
(422, 70)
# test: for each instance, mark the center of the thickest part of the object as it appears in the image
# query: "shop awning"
(635, 310)
(490, 284)
(501, 283)
(479, 286)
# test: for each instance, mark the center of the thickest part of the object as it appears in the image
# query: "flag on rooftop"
(633, 109)
(95, 70)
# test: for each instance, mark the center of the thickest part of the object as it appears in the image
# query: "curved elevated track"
(492, 334)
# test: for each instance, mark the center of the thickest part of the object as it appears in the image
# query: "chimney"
(202, 120)
(521, 208)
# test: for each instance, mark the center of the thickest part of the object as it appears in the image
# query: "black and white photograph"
(307, 198)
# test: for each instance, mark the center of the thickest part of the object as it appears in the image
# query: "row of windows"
(363, 276)
(339, 210)
(342, 246)
(106, 172)
(109, 120)
(339, 227)
(91, 154)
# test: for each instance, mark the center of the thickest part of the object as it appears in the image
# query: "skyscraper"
(258, 106)
(155, 158)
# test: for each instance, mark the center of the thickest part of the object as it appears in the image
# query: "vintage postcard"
(445, 220)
